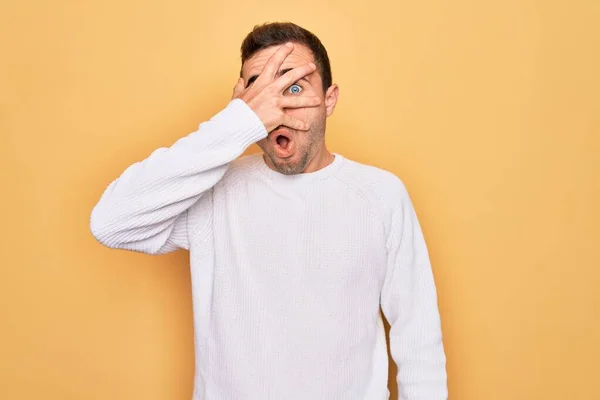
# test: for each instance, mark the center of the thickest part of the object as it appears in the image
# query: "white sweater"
(288, 272)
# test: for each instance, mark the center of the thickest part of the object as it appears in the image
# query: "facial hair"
(313, 139)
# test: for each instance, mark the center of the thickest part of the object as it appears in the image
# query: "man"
(292, 252)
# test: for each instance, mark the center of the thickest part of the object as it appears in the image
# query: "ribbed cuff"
(243, 125)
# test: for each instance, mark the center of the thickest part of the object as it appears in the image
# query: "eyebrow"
(281, 72)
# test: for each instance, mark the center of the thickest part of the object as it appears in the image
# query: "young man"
(294, 251)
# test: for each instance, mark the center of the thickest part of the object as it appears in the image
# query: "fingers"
(295, 123)
(238, 88)
(272, 66)
(299, 102)
(293, 75)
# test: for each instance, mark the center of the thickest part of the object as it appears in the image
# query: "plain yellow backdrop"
(489, 112)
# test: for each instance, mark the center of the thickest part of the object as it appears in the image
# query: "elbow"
(117, 233)
(100, 227)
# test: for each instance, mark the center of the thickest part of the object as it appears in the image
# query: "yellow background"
(488, 111)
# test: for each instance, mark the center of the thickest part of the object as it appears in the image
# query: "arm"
(145, 209)
(409, 302)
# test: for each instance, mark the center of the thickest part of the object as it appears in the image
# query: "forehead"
(299, 56)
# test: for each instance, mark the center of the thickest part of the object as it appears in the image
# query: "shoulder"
(378, 185)
(240, 169)
(245, 164)
(385, 191)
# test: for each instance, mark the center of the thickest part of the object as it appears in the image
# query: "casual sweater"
(288, 272)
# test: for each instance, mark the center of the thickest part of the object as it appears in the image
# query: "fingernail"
(289, 44)
(312, 65)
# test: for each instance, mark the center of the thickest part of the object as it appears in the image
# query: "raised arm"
(146, 208)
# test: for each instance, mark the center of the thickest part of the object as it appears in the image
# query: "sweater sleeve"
(146, 208)
(409, 302)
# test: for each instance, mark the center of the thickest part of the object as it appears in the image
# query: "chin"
(296, 164)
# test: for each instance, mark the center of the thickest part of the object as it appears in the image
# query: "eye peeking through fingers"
(294, 89)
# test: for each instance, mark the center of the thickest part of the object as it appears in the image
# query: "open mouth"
(283, 142)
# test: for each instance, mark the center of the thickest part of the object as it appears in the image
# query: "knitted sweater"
(289, 273)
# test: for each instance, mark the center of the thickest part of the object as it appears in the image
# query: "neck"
(321, 159)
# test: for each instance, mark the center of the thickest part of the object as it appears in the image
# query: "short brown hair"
(278, 33)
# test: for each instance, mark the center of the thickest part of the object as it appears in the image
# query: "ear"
(331, 98)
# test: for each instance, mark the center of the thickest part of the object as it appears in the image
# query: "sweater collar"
(303, 178)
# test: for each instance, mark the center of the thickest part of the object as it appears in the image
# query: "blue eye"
(295, 89)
